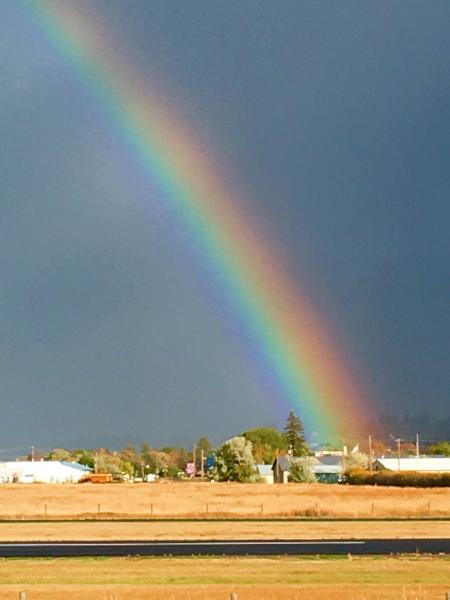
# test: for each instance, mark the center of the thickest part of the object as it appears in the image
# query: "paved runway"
(222, 547)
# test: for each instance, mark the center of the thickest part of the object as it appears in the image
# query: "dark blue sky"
(332, 117)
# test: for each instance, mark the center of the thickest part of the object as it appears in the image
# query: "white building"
(265, 473)
(42, 471)
(423, 464)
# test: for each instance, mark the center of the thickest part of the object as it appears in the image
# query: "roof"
(40, 465)
(330, 460)
(283, 463)
(437, 464)
(264, 470)
(322, 464)
(326, 469)
(75, 465)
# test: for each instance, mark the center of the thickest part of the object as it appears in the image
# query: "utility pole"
(194, 456)
(370, 453)
(202, 463)
(399, 453)
(417, 446)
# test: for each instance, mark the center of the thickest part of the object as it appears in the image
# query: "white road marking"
(188, 543)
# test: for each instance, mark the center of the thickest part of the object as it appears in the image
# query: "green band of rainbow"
(287, 332)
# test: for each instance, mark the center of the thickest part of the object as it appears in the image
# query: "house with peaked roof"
(327, 469)
(281, 468)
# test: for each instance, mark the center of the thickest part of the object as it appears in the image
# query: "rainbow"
(291, 340)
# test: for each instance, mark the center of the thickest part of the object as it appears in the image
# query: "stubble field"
(200, 499)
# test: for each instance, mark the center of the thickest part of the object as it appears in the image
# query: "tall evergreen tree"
(295, 436)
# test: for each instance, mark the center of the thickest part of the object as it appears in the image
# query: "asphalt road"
(222, 547)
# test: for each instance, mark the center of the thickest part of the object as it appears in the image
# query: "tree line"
(234, 460)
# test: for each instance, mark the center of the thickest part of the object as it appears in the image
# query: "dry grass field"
(227, 530)
(217, 592)
(283, 578)
(200, 499)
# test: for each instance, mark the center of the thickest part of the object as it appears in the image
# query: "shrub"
(399, 479)
(301, 471)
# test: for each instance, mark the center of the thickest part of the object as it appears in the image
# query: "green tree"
(301, 471)
(356, 460)
(156, 462)
(265, 443)
(87, 458)
(173, 471)
(442, 448)
(126, 467)
(234, 461)
(295, 436)
(178, 457)
(130, 462)
(145, 452)
(59, 454)
(205, 445)
(107, 461)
